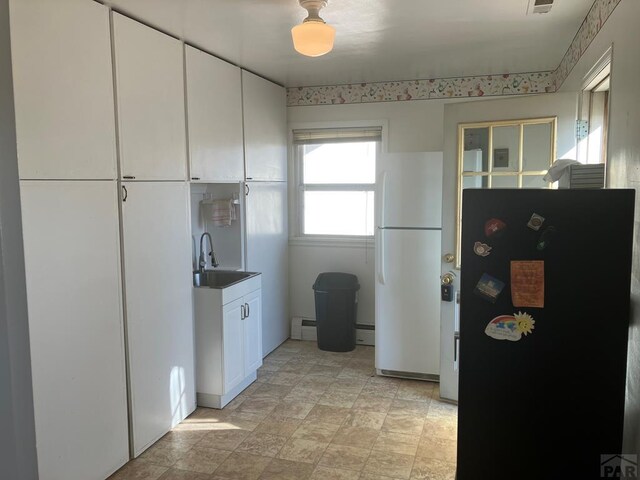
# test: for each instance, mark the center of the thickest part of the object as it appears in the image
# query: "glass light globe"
(313, 38)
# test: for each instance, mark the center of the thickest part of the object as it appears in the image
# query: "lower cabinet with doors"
(228, 327)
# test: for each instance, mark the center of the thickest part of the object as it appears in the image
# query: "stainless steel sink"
(219, 278)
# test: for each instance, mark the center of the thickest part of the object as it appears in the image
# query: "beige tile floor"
(312, 415)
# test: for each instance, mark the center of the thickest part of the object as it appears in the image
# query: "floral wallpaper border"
(479, 86)
(461, 87)
(592, 24)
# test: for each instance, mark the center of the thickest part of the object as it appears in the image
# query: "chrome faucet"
(203, 260)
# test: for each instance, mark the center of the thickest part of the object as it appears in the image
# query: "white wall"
(17, 432)
(623, 165)
(412, 127)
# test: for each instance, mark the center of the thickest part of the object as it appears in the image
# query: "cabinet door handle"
(246, 189)
(128, 177)
(125, 193)
(246, 309)
(195, 178)
(242, 317)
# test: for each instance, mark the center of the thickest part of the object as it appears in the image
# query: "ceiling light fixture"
(313, 37)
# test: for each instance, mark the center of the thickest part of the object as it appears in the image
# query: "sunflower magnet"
(510, 327)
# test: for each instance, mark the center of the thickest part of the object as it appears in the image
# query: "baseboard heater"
(305, 329)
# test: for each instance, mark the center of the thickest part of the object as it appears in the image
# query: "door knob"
(447, 278)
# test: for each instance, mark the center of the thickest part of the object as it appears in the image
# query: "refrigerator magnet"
(489, 288)
(494, 227)
(535, 222)
(545, 237)
(510, 327)
(481, 249)
(527, 283)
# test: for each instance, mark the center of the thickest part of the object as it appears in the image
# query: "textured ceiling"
(376, 40)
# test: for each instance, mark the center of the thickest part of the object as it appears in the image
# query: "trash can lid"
(336, 281)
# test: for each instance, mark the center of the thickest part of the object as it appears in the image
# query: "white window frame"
(297, 190)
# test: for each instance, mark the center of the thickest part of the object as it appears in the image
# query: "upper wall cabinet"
(214, 106)
(265, 129)
(63, 89)
(150, 94)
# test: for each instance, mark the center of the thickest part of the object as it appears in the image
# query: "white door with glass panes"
(500, 154)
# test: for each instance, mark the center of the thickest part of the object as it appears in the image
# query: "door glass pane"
(506, 141)
(476, 145)
(537, 147)
(504, 182)
(340, 163)
(338, 213)
(474, 161)
(475, 181)
(534, 181)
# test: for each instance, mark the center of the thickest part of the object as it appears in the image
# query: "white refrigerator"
(408, 237)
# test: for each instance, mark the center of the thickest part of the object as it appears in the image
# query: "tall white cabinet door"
(214, 106)
(75, 325)
(150, 95)
(159, 307)
(233, 343)
(252, 332)
(63, 84)
(265, 128)
(267, 252)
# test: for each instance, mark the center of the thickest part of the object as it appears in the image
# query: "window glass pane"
(534, 181)
(506, 141)
(340, 163)
(536, 147)
(338, 213)
(510, 181)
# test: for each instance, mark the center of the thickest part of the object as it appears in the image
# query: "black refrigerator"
(544, 318)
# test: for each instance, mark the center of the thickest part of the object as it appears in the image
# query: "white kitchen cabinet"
(72, 246)
(252, 331)
(228, 340)
(159, 307)
(265, 129)
(150, 101)
(267, 252)
(214, 109)
(63, 84)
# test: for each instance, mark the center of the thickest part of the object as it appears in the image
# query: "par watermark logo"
(619, 465)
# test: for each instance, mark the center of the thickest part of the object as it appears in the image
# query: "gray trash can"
(336, 308)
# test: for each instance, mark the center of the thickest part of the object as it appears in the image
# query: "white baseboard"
(309, 332)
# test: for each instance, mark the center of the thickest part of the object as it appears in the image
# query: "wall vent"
(540, 6)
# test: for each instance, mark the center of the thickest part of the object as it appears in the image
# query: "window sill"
(326, 241)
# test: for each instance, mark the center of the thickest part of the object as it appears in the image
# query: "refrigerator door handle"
(380, 252)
